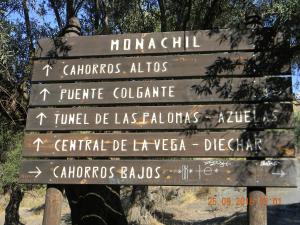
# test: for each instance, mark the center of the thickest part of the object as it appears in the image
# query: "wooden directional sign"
(161, 172)
(166, 91)
(188, 117)
(223, 64)
(147, 43)
(211, 98)
(274, 143)
(137, 67)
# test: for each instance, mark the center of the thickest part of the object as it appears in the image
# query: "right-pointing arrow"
(41, 116)
(37, 172)
(280, 174)
(38, 142)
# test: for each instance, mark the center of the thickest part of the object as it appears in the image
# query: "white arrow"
(281, 174)
(45, 92)
(37, 172)
(38, 142)
(47, 68)
(41, 116)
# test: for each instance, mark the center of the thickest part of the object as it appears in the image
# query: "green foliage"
(9, 170)
(13, 92)
(6, 54)
(142, 17)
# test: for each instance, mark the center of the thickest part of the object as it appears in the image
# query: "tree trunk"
(28, 26)
(211, 14)
(163, 19)
(139, 211)
(96, 12)
(187, 15)
(12, 216)
(70, 10)
(104, 19)
(180, 15)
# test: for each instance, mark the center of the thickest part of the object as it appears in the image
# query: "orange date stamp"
(244, 201)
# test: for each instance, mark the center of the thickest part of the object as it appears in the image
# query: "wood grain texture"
(257, 206)
(53, 205)
(188, 117)
(138, 67)
(212, 172)
(218, 64)
(153, 43)
(166, 91)
(270, 143)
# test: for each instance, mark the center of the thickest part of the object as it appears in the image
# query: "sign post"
(53, 205)
(173, 95)
(257, 212)
(54, 193)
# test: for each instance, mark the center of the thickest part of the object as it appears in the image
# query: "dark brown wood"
(166, 91)
(257, 205)
(270, 143)
(153, 43)
(53, 206)
(188, 117)
(138, 67)
(222, 64)
(210, 172)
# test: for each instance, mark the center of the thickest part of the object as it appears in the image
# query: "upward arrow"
(45, 92)
(38, 142)
(47, 68)
(41, 116)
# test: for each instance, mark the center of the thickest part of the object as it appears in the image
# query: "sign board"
(162, 117)
(141, 44)
(170, 66)
(276, 143)
(163, 91)
(134, 67)
(174, 94)
(212, 172)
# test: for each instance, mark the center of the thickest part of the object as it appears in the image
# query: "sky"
(296, 82)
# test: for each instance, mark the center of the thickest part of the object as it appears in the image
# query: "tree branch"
(78, 6)
(56, 12)
(104, 19)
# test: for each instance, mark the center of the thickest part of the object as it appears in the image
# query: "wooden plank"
(223, 64)
(166, 91)
(188, 117)
(137, 67)
(210, 172)
(271, 143)
(143, 43)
